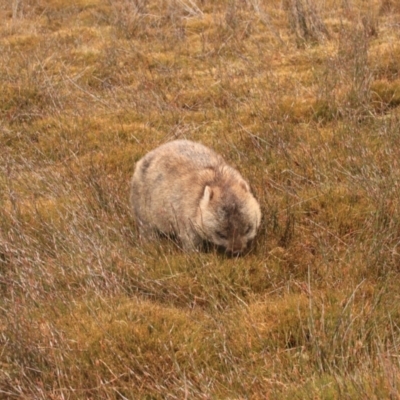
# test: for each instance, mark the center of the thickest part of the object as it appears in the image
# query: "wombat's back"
(169, 179)
(190, 155)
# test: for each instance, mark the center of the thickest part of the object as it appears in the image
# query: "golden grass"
(302, 97)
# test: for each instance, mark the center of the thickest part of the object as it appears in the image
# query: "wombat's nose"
(236, 248)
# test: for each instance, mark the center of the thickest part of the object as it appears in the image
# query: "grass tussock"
(302, 97)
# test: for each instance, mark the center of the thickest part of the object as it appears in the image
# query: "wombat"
(185, 189)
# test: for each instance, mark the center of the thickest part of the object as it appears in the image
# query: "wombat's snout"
(236, 247)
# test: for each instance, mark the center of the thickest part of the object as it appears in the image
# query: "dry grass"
(303, 98)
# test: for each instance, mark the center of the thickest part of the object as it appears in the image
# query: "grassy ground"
(302, 96)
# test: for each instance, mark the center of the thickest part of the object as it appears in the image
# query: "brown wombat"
(186, 189)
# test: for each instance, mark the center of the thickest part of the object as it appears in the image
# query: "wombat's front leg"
(191, 241)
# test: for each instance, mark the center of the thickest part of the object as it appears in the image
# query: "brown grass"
(302, 98)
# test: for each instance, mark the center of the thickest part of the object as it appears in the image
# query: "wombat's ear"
(245, 186)
(208, 194)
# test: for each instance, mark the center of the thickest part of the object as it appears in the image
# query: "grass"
(302, 97)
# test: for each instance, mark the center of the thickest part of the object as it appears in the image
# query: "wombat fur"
(185, 189)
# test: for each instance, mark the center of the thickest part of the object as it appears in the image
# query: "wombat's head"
(229, 216)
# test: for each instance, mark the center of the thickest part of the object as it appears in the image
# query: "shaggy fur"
(186, 189)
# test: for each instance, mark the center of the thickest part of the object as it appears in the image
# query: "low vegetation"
(303, 97)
